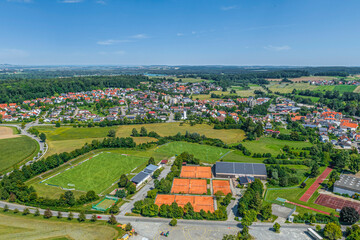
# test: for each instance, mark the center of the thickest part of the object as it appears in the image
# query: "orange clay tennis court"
(192, 186)
(195, 172)
(198, 202)
(221, 185)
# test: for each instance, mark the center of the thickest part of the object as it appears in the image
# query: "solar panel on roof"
(240, 168)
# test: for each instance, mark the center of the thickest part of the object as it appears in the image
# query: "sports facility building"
(236, 170)
(347, 185)
(144, 175)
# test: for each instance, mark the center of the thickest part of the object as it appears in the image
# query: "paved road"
(141, 194)
(42, 145)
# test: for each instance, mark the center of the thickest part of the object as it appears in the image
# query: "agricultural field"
(205, 153)
(97, 173)
(301, 79)
(66, 139)
(272, 145)
(15, 150)
(289, 87)
(30, 227)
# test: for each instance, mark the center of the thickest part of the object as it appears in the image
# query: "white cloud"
(227, 8)
(179, 34)
(101, 2)
(140, 36)
(193, 32)
(20, 1)
(13, 53)
(112, 42)
(277, 48)
(71, 1)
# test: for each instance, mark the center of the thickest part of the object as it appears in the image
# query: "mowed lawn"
(30, 227)
(272, 145)
(205, 153)
(15, 150)
(98, 173)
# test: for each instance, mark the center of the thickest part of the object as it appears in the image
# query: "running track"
(307, 195)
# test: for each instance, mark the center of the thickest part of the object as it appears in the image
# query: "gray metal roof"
(139, 177)
(240, 168)
(150, 168)
(348, 182)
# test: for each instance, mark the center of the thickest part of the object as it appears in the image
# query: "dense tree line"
(251, 204)
(282, 176)
(20, 90)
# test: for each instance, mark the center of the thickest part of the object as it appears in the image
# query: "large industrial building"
(236, 170)
(347, 185)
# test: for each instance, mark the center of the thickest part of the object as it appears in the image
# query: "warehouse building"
(236, 170)
(347, 185)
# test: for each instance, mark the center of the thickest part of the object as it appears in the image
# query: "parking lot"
(189, 232)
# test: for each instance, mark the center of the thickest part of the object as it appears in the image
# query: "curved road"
(24, 132)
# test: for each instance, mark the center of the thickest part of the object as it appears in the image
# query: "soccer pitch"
(96, 173)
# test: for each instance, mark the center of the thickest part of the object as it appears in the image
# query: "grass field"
(70, 145)
(98, 173)
(66, 139)
(289, 87)
(106, 203)
(205, 153)
(294, 195)
(16, 150)
(272, 145)
(29, 227)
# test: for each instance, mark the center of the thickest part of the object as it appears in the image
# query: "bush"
(82, 217)
(16, 210)
(26, 211)
(37, 212)
(93, 218)
(112, 220)
(70, 216)
(173, 222)
(277, 227)
(47, 213)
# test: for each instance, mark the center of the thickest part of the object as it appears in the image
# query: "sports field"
(198, 202)
(29, 227)
(15, 150)
(205, 153)
(189, 186)
(195, 172)
(97, 173)
(221, 185)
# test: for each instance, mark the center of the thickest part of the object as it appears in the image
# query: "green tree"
(42, 137)
(266, 211)
(93, 218)
(143, 132)
(134, 132)
(349, 215)
(26, 211)
(123, 181)
(112, 133)
(332, 231)
(314, 170)
(177, 116)
(16, 210)
(173, 222)
(114, 209)
(59, 215)
(6, 208)
(47, 213)
(57, 124)
(128, 227)
(37, 212)
(81, 217)
(353, 233)
(277, 227)
(151, 161)
(112, 220)
(70, 216)
(249, 217)
(131, 188)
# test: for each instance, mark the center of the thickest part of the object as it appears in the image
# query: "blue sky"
(180, 32)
